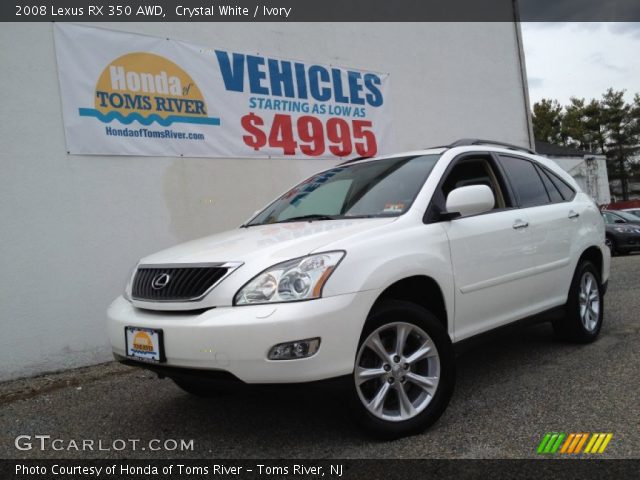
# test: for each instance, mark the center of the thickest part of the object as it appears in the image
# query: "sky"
(581, 59)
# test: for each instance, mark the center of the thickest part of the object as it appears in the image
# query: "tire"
(386, 378)
(203, 390)
(611, 243)
(582, 321)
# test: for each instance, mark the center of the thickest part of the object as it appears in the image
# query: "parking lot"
(509, 393)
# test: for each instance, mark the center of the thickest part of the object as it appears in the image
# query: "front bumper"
(237, 339)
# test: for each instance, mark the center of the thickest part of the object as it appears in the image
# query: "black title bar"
(307, 469)
(321, 10)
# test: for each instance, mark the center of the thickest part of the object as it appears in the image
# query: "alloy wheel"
(397, 371)
(589, 301)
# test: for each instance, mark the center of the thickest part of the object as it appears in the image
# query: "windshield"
(380, 188)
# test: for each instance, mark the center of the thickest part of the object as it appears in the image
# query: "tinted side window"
(612, 218)
(525, 181)
(552, 190)
(476, 171)
(567, 192)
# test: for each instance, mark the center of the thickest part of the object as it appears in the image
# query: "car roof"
(475, 143)
(438, 150)
(484, 146)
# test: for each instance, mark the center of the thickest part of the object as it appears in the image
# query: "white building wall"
(73, 226)
(592, 177)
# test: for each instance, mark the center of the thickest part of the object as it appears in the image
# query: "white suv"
(371, 271)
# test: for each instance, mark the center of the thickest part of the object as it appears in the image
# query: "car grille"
(179, 284)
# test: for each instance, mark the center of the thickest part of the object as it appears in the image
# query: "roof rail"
(464, 142)
(351, 160)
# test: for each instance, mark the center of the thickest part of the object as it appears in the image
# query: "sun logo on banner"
(147, 88)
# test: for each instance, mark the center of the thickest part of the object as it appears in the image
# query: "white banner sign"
(129, 94)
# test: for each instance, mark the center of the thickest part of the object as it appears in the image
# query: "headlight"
(624, 229)
(298, 279)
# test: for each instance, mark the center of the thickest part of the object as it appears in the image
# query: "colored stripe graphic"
(581, 443)
(550, 443)
(575, 445)
(606, 442)
(598, 442)
(543, 443)
(567, 443)
(572, 443)
(593, 439)
(556, 445)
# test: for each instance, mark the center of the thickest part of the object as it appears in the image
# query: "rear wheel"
(584, 308)
(404, 371)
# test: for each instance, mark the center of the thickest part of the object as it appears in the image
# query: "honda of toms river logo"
(147, 88)
(574, 443)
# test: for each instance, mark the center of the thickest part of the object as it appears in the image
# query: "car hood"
(269, 243)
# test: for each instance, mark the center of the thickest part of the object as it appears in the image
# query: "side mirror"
(470, 200)
(619, 220)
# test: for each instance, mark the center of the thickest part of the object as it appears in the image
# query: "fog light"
(293, 350)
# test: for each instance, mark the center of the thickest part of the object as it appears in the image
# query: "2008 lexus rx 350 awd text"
(371, 271)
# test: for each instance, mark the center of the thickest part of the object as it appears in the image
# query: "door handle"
(573, 214)
(518, 224)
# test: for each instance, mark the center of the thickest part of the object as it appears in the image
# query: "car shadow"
(317, 415)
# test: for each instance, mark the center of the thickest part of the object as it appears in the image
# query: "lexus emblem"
(160, 281)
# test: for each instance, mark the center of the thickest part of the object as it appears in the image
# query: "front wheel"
(404, 371)
(584, 308)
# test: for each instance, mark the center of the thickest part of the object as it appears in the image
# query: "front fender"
(375, 264)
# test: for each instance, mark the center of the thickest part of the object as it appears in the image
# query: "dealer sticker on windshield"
(393, 208)
(144, 344)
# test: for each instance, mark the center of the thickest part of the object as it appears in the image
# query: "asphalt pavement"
(509, 393)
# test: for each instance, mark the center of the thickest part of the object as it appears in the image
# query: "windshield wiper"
(313, 216)
(310, 218)
(301, 218)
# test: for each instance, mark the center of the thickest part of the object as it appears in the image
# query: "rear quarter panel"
(590, 233)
